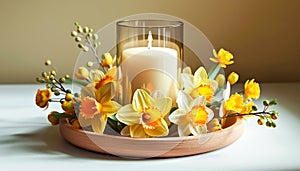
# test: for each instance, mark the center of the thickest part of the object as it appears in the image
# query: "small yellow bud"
(48, 62)
(68, 106)
(85, 48)
(48, 86)
(260, 122)
(52, 119)
(53, 72)
(79, 29)
(89, 35)
(220, 80)
(51, 77)
(74, 33)
(108, 61)
(217, 127)
(90, 64)
(68, 97)
(77, 39)
(95, 36)
(47, 78)
(233, 78)
(62, 80)
(80, 45)
(82, 73)
(44, 74)
(85, 29)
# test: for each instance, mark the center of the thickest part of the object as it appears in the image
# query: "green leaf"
(63, 115)
(116, 125)
(173, 109)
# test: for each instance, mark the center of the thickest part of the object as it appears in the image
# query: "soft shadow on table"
(48, 140)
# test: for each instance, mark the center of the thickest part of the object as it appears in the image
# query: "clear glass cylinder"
(149, 56)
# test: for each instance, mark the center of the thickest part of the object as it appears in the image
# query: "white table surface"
(28, 142)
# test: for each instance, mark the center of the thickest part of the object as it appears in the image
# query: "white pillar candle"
(152, 67)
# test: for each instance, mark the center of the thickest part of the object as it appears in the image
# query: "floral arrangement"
(198, 109)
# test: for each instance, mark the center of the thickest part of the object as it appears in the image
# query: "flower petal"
(211, 114)
(197, 130)
(128, 116)
(222, 109)
(200, 75)
(184, 129)
(177, 117)
(88, 91)
(199, 101)
(213, 83)
(188, 82)
(96, 75)
(141, 99)
(110, 108)
(161, 129)
(215, 53)
(226, 92)
(105, 93)
(111, 72)
(125, 131)
(163, 105)
(187, 70)
(83, 121)
(184, 101)
(99, 123)
(137, 131)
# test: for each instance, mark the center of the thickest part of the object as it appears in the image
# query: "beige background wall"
(263, 34)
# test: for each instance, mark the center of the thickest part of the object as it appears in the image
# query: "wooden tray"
(153, 147)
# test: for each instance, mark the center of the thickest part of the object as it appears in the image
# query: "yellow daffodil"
(198, 84)
(220, 80)
(95, 110)
(252, 90)
(82, 73)
(234, 103)
(42, 98)
(223, 57)
(192, 115)
(247, 108)
(233, 78)
(145, 116)
(108, 60)
(96, 75)
(108, 78)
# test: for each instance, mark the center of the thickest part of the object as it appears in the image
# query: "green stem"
(214, 71)
(71, 81)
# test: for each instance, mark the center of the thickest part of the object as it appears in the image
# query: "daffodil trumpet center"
(150, 117)
(203, 90)
(90, 107)
(198, 115)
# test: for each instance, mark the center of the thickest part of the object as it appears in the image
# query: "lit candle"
(154, 68)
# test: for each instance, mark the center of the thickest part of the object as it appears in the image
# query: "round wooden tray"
(153, 147)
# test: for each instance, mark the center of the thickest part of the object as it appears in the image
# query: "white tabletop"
(27, 141)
